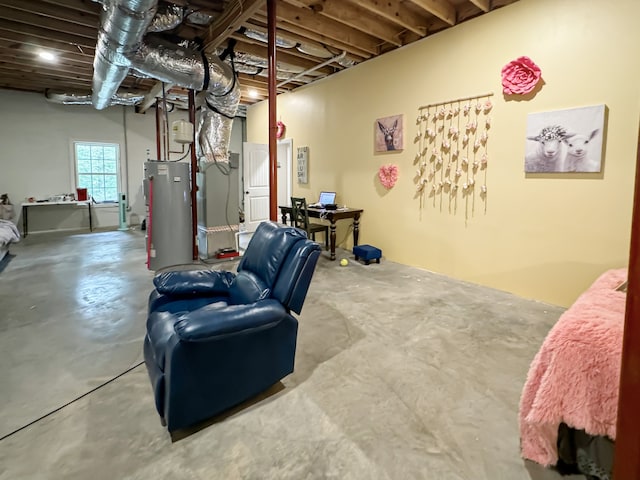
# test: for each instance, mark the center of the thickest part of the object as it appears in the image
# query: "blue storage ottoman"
(367, 253)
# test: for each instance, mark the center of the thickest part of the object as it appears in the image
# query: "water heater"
(169, 234)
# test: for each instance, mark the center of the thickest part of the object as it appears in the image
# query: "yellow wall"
(542, 238)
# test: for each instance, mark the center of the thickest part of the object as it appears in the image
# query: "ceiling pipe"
(337, 58)
(123, 23)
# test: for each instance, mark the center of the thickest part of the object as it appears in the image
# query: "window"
(97, 169)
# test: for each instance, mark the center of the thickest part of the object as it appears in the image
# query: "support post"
(158, 139)
(627, 461)
(194, 170)
(273, 145)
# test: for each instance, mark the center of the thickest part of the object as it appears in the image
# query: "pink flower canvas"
(520, 76)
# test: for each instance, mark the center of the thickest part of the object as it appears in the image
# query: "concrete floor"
(400, 374)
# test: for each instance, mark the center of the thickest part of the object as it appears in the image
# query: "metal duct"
(118, 48)
(348, 62)
(248, 59)
(168, 17)
(315, 49)
(262, 37)
(188, 68)
(262, 72)
(199, 18)
(248, 69)
(256, 61)
(337, 58)
(128, 98)
(123, 23)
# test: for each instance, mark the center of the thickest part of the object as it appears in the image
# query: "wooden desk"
(333, 216)
(27, 205)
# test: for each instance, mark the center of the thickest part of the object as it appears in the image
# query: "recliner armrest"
(193, 282)
(210, 322)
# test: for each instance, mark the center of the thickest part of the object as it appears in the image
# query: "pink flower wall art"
(520, 76)
(388, 175)
(388, 134)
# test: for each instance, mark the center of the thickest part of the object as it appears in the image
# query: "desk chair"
(300, 218)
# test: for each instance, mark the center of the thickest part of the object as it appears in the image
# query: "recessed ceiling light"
(48, 56)
(253, 93)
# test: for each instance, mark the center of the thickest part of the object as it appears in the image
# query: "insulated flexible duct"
(120, 47)
(122, 25)
(197, 71)
(168, 17)
(128, 98)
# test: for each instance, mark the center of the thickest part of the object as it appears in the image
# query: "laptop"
(326, 198)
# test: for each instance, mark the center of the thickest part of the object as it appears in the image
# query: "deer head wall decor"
(389, 135)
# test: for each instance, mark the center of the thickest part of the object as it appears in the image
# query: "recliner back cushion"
(295, 275)
(268, 250)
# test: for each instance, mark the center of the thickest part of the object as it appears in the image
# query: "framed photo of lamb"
(388, 134)
(565, 140)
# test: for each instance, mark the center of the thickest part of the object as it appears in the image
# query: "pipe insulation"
(198, 71)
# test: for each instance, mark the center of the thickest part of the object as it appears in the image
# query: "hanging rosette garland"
(388, 175)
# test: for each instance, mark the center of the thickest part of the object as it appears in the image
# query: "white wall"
(37, 151)
(36, 159)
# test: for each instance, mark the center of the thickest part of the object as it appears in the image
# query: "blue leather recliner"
(215, 339)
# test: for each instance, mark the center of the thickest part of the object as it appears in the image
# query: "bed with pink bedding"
(573, 380)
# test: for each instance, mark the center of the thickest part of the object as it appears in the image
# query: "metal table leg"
(25, 222)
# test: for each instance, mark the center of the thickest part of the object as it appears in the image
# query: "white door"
(256, 184)
(285, 158)
(256, 180)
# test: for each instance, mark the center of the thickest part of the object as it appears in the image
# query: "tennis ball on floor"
(344, 262)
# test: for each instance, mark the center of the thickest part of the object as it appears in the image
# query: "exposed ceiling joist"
(231, 19)
(85, 6)
(46, 33)
(440, 8)
(32, 42)
(395, 11)
(317, 36)
(260, 50)
(300, 40)
(319, 29)
(56, 12)
(32, 20)
(72, 70)
(356, 17)
(328, 28)
(484, 5)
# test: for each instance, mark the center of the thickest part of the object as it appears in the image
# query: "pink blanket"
(574, 378)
